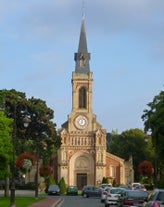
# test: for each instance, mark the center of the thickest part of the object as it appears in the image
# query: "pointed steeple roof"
(82, 57)
(82, 41)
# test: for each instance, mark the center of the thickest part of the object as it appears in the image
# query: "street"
(79, 201)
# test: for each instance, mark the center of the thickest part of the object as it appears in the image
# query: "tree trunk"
(6, 190)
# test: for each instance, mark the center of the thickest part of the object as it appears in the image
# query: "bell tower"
(82, 155)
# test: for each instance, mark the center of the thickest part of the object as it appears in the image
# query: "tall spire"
(82, 42)
(82, 57)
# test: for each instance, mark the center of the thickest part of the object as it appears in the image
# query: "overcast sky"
(38, 39)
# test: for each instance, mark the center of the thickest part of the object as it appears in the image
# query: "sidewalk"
(48, 202)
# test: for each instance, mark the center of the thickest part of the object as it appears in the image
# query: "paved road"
(79, 201)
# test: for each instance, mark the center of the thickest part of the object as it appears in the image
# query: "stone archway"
(81, 169)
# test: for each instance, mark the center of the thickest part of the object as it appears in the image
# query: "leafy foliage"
(153, 118)
(62, 186)
(40, 136)
(5, 144)
(129, 143)
(105, 180)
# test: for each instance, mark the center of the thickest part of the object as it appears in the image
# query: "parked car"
(104, 193)
(53, 190)
(156, 198)
(134, 198)
(127, 187)
(104, 185)
(140, 187)
(91, 191)
(114, 196)
(72, 190)
(134, 185)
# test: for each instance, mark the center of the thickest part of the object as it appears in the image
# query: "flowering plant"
(145, 168)
(45, 171)
(25, 161)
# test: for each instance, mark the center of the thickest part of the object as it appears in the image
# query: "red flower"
(22, 157)
(145, 168)
(45, 170)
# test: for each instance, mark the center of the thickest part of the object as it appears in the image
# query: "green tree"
(105, 180)
(5, 144)
(153, 118)
(41, 135)
(129, 143)
(62, 186)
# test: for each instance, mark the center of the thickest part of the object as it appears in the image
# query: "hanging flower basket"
(45, 171)
(25, 161)
(145, 168)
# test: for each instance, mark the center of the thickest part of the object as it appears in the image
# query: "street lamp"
(26, 121)
(37, 167)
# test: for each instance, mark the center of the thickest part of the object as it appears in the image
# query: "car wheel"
(85, 195)
(106, 205)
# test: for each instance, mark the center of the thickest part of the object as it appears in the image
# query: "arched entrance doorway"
(82, 169)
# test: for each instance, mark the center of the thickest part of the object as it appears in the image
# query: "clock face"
(81, 122)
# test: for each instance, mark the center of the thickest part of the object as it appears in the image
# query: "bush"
(114, 184)
(27, 186)
(105, 180)
(62, 186)
(160, 183)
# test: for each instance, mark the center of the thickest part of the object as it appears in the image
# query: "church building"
(82, 158)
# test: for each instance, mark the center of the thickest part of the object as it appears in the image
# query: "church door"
(81, 180)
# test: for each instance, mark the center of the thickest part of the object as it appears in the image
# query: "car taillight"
(155, 204)
(104, 193)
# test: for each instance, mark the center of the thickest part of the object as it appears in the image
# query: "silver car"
(114, 197)
(104, 193)
(156, 198)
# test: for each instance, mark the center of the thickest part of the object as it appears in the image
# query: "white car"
(114, 197)
(134, 185)
(104, 193)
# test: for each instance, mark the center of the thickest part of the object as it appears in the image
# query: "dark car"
(156, 198)
(91, 191)
(134, 198)
(53, 190)
(72, 190)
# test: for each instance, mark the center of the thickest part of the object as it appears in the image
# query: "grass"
(19, 201)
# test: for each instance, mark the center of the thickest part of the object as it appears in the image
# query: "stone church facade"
(82, 158)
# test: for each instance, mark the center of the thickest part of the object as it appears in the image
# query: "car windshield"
(116, 191)
(53, 187)
(72, 187)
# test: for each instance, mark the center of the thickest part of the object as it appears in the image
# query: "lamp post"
(12, 195)
(37, 168)
(155, 161)
(37, 163)
(25, 122)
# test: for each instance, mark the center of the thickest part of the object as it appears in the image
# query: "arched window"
(82, 98)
